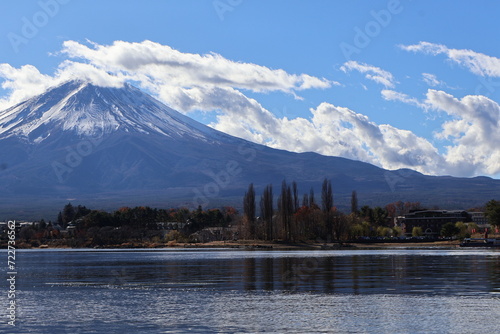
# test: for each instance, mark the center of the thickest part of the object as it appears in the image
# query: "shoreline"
(259, 245)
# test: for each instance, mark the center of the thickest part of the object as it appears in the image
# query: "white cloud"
(474, 131)
(212, 83)
(163, 63)
(179, 79)
(23, 83)
(390, 95)
(431, 80)
(338, 131)
(373, 73)
(425, 47)
(477, 63)
(70, 70)
(27, 81)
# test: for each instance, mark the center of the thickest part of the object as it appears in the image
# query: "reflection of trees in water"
(250, 276)
(375, 274)
(494, 274)
(299, 273)
(355, 275)
(268, 273)
(328, 273)
(287, 275)
(339, 273)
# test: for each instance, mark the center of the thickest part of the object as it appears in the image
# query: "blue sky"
(395, 83)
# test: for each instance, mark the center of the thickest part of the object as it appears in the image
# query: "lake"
(239, 291)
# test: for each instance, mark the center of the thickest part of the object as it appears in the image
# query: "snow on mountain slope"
(119, 146)
(88, 110)
(79, 139)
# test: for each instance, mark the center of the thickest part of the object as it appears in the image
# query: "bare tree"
(312, 201)
(295, 196)
(327, 205)
(285, 209)
(266, 208)
(340, 226)
(249, 211)
(305, 200)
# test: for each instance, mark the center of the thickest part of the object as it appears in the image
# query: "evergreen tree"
(492, 212)
(81, 211)
(354, 202)
(449, 230)
(367, 213)
(380, 216)
(68, 214)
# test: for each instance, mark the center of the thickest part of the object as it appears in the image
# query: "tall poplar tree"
(327, 205)
(249, 211)
(295, 196)
(266, 208)
(354, 202)
(285, 209)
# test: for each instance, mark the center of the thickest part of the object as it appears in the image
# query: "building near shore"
(480, 219)
(431, 221)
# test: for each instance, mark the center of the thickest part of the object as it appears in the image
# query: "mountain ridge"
(111, 146)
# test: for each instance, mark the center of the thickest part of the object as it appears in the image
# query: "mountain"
(108, 147)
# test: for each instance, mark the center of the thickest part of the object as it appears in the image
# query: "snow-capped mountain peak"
(89, 110)
(119, 146)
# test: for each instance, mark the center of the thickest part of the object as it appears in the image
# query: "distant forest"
(287, 217)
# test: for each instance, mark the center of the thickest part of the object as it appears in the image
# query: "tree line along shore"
(283, 221)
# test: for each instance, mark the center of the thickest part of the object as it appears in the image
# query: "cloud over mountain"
(474, 131)
(211, 83)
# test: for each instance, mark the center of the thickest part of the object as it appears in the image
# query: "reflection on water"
(226, 291)
(409, 272)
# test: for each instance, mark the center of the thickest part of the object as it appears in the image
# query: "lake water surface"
(237, 291)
